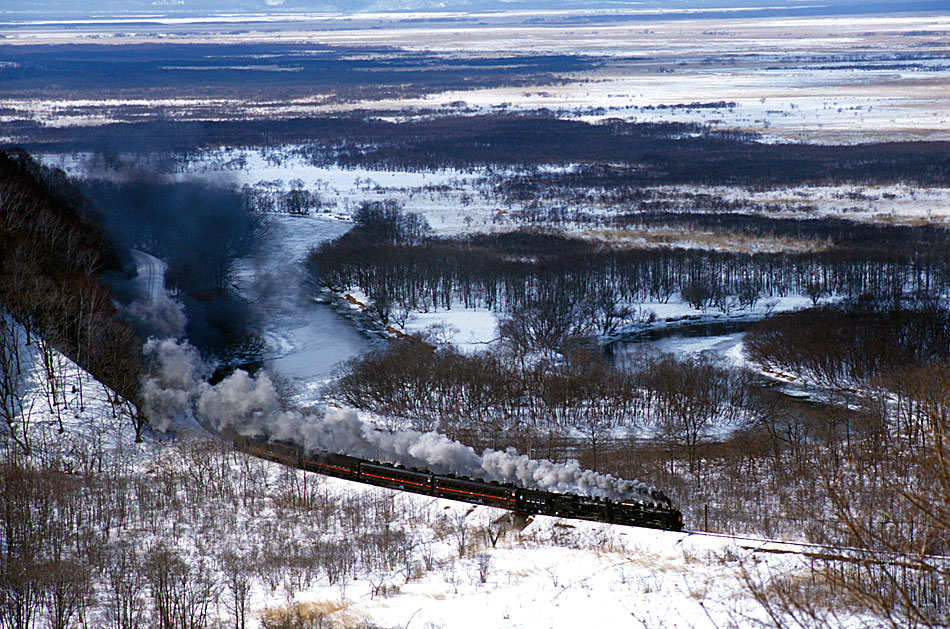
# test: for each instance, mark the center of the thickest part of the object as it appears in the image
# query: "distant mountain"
(81, 9)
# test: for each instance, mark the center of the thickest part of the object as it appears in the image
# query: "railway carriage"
(476, 491)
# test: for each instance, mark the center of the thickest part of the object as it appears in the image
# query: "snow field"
(821, 79)
(559, 573)
(459, 202)
(554, 573)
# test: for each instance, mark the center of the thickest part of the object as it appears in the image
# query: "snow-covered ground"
(553, 573)
(895, 203)
(821, 79)
(307, 340)
(68, 414)
(561, 573)
(458, 202)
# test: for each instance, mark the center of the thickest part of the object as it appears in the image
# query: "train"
(657, 514)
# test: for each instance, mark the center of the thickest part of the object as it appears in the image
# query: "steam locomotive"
(658, 514)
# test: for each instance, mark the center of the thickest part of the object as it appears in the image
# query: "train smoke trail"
(177, 392)
(198, 231)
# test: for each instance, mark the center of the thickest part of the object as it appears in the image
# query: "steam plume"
(198, 231)
(178, 392)
(162, 316)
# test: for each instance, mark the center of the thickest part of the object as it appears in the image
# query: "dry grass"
(329, 614)
(716, 240)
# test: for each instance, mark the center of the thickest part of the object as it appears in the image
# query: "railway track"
(525, 502)
(657, 514)
(830, 552)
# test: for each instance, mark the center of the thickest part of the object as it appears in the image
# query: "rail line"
(523, 501)
(832, 552)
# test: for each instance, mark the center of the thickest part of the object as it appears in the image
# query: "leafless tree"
(67, 591)
(54, 378)
(459, 529)
(182, 593)
(126, 587)
(27, 509)
(608, 312)
(237, 571)
(483, 566)
(14, 413)
(543, 323)
(690, 395)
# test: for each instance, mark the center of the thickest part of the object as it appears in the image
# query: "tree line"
(650, 154)
(573, 286)
(850, 344)
(52, 260)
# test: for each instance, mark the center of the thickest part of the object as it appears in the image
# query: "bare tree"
(54, 378)
(483, 565)
(126, 587)
(543, 323)
(182, 593)
(27, 509)
(237, 572)
(698, 294)
(459, 528)
(607, 311)
(67, 589)
(13, 412)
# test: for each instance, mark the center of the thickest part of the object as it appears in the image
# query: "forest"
(592, 287)
(53, 261)
(861, 464)
(649, 153)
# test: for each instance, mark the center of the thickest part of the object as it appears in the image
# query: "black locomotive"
(657, 515)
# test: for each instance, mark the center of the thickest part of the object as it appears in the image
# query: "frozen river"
(306, 340)
(721, 339)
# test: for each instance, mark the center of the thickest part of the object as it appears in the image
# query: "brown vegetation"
(51, 262)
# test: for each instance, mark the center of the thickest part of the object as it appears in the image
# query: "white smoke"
(160, 315)
(240, 401)
(177, 378)
(178, 392)
(154, 310)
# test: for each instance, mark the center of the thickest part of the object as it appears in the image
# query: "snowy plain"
(554, 573)
(820, 79)
(551, 573)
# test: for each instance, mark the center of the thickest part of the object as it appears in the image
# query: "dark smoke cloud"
(198, 230)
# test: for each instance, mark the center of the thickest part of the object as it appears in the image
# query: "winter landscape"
(627, 313)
